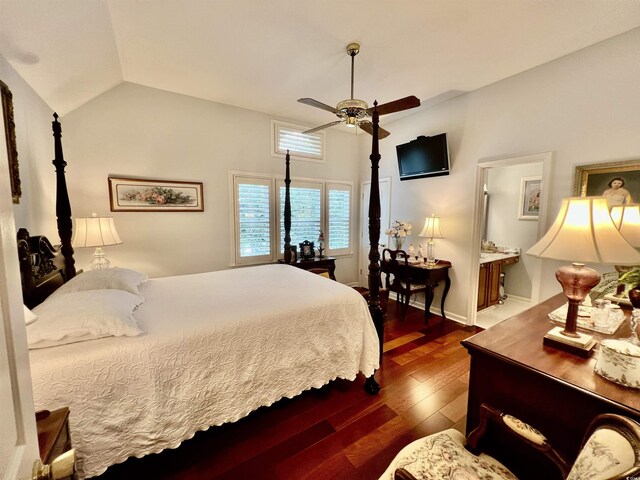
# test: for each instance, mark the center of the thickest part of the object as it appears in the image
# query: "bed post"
(63, 206)
(371, 385)
(287, 211)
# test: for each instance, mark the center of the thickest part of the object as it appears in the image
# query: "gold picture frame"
(10, 136)
(595, 180)
(145, 195)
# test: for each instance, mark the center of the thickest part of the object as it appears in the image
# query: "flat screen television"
(423, 157)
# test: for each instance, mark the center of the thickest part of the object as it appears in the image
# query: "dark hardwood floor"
(338, 431)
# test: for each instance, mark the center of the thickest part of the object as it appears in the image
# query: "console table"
(431, 277)
(556, 392)
(316, 262)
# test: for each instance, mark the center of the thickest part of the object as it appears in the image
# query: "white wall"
(35, 146)
(583, 107)
(504, 227)
(137, 131)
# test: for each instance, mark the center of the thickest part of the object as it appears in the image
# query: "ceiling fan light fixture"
(351, 122)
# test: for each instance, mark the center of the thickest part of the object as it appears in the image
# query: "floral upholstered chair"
(610, 451)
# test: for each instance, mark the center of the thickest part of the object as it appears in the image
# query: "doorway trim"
(546, 158)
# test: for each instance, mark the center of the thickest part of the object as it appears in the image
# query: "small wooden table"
(53, 434)
(431, 277)
(316, 262)
(554, 391)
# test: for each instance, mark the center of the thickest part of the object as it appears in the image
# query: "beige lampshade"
(95, 232)
(626, 218)
(584, 232)
(431, 227)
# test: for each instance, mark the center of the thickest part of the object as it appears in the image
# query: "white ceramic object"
(619, 362)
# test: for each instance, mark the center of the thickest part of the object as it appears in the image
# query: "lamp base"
(99, 260)
(581, 345)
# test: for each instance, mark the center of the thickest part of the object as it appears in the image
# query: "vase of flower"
(398, 232)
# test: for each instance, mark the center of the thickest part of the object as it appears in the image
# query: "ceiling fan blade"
(323, 126)
(315, 103)
(368, 127)
(397, 105)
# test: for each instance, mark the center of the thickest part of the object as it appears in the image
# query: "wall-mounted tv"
(423, 157)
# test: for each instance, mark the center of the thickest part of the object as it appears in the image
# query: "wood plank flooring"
(336, 432)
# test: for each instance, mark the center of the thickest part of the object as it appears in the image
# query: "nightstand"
(53, 434)
(316, 262)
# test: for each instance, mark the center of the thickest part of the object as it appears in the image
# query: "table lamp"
(431, 230)
(582, 232)
(96, 232)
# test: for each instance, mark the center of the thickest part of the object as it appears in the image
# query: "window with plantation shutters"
(338, 234)
(316, 206)
(306, 212)
(304, 146)
(253, 219)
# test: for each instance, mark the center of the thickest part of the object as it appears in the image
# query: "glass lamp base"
(99, 260)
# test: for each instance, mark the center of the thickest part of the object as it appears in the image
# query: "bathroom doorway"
(498, 219)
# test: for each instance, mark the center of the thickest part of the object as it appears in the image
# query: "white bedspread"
(216, 347)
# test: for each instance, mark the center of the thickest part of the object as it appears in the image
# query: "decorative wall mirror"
(10, 135)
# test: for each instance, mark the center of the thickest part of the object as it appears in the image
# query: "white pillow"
(29, 316)
(80, 316)
(104, 278)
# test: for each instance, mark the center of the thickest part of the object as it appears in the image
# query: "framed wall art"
(530, 189)
(143, 195)
(619, 182)
(10, 136)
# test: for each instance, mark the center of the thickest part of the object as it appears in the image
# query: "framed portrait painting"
(618, 182)
(142, 195)
(530, 189)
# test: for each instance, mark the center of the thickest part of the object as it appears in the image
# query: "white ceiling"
(264, 55)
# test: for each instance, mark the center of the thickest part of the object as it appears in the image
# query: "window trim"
(294, 154)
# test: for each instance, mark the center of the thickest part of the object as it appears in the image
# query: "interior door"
(385, 207)
(18, 441)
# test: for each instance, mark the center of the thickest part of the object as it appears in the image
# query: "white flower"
(399, 228)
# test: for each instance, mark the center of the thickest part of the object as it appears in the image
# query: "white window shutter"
(339, 206)
(253, 211)
(303, 146)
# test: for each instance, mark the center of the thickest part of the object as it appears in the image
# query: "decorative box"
(619, 361)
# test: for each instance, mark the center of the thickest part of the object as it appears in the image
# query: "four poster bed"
(174, 368)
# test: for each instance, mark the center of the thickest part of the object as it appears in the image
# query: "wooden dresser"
(556, 392)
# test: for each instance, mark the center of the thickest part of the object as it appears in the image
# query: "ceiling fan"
(354, 112)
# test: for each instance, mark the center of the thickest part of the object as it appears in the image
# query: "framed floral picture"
(530, 198)
(143, 195)
(619, 182)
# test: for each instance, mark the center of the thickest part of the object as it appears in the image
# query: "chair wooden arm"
(520, 430)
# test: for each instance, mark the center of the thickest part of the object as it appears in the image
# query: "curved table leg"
(447, 284)
(428, 300)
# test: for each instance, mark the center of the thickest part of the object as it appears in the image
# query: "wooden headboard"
(43, 267)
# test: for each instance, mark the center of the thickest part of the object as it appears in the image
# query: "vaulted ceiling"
(265, 54)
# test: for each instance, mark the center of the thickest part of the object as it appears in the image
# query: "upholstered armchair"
(610, 451)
